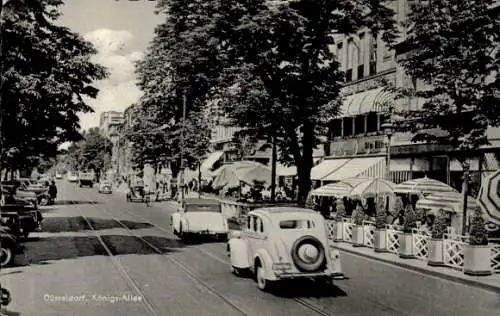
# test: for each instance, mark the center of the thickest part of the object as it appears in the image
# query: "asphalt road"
(104, 256)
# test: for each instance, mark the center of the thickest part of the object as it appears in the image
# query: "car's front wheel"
(6, 255)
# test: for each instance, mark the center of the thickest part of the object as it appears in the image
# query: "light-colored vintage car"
(281, 243)
(105, 187)
(199, 217)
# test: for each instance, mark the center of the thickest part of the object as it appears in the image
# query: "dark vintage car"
(15, 192)
(137, 193)
(9, 246)
(21, 221)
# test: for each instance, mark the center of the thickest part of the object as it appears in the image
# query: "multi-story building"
(358, 144)
(123, 153)
(107, 119)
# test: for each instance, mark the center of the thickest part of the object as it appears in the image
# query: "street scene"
(213, 157)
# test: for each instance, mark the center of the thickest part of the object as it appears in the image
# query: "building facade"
(358, 143)
(109, 119)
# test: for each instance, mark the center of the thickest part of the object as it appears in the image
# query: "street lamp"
(388, 128)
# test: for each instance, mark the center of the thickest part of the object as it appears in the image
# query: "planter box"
(339, 234)
(357, 236)
(477, 260)
(380, 240)
(406, 246)
(436, 256)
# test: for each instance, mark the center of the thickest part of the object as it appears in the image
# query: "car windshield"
(203, 208)
(297, 224)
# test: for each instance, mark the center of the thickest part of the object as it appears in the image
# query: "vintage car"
(280, 243)
(199, 217)
(137, 193)
(20, 220)
(105, 187)
(9, 247)
(86, 179)
(19, 194)
(72, 177)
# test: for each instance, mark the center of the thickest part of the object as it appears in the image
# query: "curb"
(484, 286)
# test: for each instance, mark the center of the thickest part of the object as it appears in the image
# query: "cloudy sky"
(121, 31)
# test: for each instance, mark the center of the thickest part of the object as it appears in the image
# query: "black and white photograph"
(250, 157)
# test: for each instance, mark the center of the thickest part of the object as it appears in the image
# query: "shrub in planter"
(357, 231)
(406, 239)
(340, 214)
(380, 237)
(477, 254)
(398, 206)
(436, 240)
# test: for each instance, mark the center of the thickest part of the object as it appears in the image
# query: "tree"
(91, 153)
(453, 52)
(280, 79)
(45, 76)
(179, 68)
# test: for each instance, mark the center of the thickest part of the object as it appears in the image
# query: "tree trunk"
(305, 165)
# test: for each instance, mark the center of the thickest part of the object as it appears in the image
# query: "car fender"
(267, 263)
(176, 221)
(184, 223)
(238, 253)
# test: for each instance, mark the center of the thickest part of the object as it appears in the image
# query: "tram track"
(303, 302)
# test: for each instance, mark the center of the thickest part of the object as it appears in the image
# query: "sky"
(121, 31)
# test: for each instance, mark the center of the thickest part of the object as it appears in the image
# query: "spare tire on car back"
(308, 254)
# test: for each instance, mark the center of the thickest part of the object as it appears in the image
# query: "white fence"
(392, 240)
(420, 245)
(368, 233)
(347, 226)
(495, 258)
(453, 250)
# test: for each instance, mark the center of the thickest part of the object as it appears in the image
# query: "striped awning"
(369, 167)
(327, 167)
(356, 187)
(489, 197)
(449, 201)
(374, 100)
(209, 163)
(423, 186)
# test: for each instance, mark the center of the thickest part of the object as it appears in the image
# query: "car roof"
(282, 210)
(201, 201)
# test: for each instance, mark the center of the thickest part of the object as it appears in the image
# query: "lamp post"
(465, 188)
(388, 127)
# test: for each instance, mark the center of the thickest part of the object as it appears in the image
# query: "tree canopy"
(93, 152)
(46, 76)
(454, 60)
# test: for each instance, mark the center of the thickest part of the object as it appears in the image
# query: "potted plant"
(477, 254)
(358, 230)
(436, 241)
(398, 206)
(339, 222)
(406, 238)
(380, 237)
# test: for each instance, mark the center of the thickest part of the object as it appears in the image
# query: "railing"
(453, 250)
(347, 227)
(420, 244)
(368, 233)
(495, 258)
(392, 239)
(331, 225)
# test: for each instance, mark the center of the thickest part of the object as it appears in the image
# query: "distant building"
(108, 119)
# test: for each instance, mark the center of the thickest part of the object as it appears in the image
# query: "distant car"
(200, 217)
(59, 176)
(72, 178)
(18, 193)
(105, 187)
(281, 243)
(86, 179)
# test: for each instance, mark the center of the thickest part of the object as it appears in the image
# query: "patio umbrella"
(249, 172)
(356, 187)
(423, 186)
(489, 197)
(449, 201)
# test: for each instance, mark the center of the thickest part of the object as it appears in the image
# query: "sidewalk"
(490, 283)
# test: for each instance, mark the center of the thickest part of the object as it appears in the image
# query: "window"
(254, 223)
(336, 128)
(340, 54)
(348, 126)
(297, 224)
(361, 56)
(203, 208)
(350, 52)
(249, 222)
(260, 225)
(372, 122)
(360, 124)
(373, 55)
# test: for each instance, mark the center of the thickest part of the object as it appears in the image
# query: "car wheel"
(260, 275)
(6, 256)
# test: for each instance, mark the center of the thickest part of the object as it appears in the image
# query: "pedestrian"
(52, 191)
(400, 219)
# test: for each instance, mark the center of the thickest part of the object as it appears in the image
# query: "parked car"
(9, 247)
(21, 221)
(105, 187)
(19, 194)
(72, 177)
(59, 176)
(199, 217)
(281, 243)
